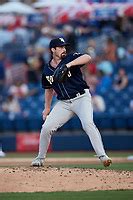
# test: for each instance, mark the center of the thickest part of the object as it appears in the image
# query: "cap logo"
(62, 40)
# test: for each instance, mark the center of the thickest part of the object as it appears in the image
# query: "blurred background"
(101, 28)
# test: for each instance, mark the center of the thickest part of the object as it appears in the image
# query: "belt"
(76, 95)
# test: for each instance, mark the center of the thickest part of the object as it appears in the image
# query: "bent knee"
(48, 128)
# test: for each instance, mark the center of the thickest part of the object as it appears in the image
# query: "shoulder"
(77, 54)
(46, 67)
(74, 55)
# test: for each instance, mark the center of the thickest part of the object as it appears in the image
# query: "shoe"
(37, 162)
(105, 160)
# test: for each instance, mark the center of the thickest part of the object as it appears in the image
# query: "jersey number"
(69, 74)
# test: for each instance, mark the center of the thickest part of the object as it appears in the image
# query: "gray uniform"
(65, 110)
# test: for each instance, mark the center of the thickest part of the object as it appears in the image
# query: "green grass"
(20, 155)
(87, 195)
(87, 154)
(69, 154)
(115, 166)
(82, 154)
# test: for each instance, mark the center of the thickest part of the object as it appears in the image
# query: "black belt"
(75, 95)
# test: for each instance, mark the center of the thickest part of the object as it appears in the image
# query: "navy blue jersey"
(70, 87)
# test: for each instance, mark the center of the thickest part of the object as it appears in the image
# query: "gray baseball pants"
(62, 112)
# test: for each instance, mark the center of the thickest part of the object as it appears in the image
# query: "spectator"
(19, 89)
(106, 67)
(121, 53)
(129, 55)
(22, 34)
(70, 37)
(104, 82)
(11, 106)
(34, 69)
(15, 50)
(44, 40)
(91, 50)
(131, 105)
(110, 51)
(6, 35)
(90, 77)
(121, 80)
(2, 75)
(92, 82)
(98, 103)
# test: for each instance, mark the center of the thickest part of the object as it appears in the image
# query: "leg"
(86, 116)
(59, 115)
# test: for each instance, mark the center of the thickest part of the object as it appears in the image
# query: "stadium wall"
(26, 142)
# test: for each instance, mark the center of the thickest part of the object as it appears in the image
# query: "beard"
(63, 55)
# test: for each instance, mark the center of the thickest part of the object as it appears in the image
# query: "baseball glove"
(60, 74)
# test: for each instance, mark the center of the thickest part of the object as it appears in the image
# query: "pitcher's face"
(59, 52)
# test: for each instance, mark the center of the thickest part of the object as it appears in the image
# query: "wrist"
(46, 108)
(68, 65)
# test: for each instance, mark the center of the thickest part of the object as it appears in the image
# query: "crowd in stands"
(24, 50)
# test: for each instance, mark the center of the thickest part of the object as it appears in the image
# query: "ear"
(52, 49)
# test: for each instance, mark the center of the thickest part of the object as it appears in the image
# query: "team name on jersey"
(50, 78)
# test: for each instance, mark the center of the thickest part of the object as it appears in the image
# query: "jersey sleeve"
(76, 55)
(45, 83)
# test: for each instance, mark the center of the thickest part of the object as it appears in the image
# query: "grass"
(115, 166)
(97, 195)
(81, 154)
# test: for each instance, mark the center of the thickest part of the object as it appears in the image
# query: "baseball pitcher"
(63, 75)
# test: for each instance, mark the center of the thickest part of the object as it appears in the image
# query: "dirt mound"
(46, 179)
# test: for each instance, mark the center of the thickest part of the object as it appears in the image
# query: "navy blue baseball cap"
(58, 42)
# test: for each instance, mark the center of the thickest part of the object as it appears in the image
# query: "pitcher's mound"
(46, 179)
